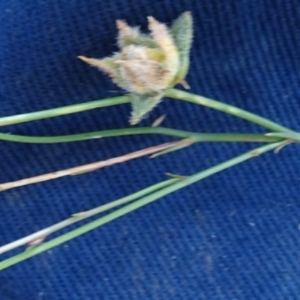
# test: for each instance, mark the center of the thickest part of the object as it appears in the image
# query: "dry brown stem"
(89, 167)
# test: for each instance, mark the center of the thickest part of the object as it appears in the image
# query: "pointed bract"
(142, 105)
(106, 65)
(182, 32)
(132, 36)
(164, 39)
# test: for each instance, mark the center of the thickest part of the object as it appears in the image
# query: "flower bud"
(147, 65)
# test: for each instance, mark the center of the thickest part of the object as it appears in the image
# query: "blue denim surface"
(232, 236)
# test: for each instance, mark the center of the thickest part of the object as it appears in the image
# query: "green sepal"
(143, 104)
(182, 33)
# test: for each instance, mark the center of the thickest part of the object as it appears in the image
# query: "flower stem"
(42, 234)
(171, 93)
(196, 137)
(135, 205)
(226, 108)
(65, 110)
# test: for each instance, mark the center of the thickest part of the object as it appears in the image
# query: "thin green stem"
(196, 137)
(171, 93)
(42, 234)
(226, 108)
(137, 204)
(295, 136)
(65, 110)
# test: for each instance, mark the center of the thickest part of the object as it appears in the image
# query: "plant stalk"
(137, 204)
(171, 93)
(226, 108)
(194, 136)
(44, 233)
(91, 167)
(64, 110)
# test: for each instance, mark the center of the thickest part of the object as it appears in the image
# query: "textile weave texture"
(232, 236)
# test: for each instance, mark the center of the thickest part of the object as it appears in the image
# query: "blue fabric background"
(232, 236)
